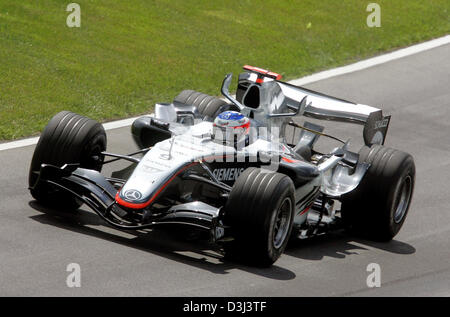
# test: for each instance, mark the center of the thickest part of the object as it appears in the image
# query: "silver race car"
(239, 168)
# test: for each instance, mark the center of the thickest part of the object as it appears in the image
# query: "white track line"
(31, 141)
(372, 61)
(117, 124)
(300, 81)
(18, 143)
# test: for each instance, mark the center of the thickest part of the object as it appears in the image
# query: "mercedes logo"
(133, 194)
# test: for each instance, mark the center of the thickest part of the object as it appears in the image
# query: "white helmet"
(230, 127)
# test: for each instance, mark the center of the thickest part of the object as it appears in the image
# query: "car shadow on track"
(176, 244)
(340, 245)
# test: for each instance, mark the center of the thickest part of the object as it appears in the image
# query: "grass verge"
(127, 55)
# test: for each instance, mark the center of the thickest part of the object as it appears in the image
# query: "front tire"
(377, 208)
(260, 213)
(67, 138)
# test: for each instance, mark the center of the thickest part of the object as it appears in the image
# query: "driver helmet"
(231, 127)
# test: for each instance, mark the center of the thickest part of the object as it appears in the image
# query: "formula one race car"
(230, 168)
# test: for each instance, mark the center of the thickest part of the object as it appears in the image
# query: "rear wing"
(323, 107)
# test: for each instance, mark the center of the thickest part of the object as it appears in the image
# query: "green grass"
(127, 55)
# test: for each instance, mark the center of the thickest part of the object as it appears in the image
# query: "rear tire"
(377, 208)
(260, 213)
(67, 138)
(207, 106)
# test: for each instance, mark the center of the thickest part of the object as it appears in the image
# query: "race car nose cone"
(132, 195)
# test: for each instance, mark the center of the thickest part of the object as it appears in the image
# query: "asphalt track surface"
(37, 244)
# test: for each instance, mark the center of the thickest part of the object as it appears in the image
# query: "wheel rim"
(93, 159)
(282, 223)
(403, 200)
(96, 157)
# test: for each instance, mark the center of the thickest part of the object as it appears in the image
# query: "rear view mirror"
(225, 91)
